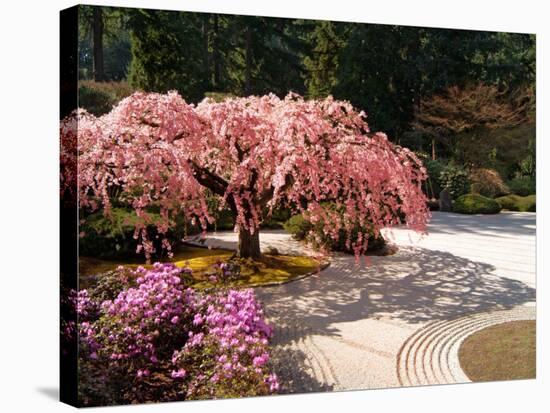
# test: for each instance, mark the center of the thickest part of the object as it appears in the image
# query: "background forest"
(464, 100)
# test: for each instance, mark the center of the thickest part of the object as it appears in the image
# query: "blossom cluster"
(133, 321)
(206, 344)
(230, 326)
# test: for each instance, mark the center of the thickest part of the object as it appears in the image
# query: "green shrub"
(224, 221)
(113, 237)
(518, 203)
(434, 169)
(277, 219)
(109, 285)
(454, 179)
(487, 182)
(94, 101)
(475, 204)
(523, 186)
(100, 97)
(300, 229)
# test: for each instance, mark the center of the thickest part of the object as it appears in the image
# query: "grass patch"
(266, 270)
(505, 351)
(518, 203)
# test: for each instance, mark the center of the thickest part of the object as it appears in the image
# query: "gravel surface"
(350, 326)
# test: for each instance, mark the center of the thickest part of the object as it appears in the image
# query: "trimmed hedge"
(476, 204)
(518, 203)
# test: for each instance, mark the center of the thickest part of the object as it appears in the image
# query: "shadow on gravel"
(415, 285)
(293, 373)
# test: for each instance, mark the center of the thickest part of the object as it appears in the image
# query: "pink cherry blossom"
(253, 153)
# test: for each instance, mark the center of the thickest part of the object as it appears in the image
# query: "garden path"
(362, 327)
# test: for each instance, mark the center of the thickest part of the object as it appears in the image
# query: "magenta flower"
(178, 374)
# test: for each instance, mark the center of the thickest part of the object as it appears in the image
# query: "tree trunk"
(433, 149)
(249, 244)
(99, 74)
(205, 37)
(216, 54)
(248, 62)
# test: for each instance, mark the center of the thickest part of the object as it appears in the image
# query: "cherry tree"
(253, 154)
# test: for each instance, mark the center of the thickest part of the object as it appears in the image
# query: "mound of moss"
(476, 204)
(518, 203)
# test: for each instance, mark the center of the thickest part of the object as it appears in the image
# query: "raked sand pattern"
(399, 320)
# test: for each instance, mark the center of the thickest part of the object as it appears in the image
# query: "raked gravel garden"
(398, 320)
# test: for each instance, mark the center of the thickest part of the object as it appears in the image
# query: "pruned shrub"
(476, 204)
(518, 203)
(487, 182)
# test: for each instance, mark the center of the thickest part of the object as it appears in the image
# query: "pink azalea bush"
(228, 326)
(160, 340)
(254, 154)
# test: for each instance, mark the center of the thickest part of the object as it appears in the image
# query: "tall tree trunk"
(216, 53)
(99, 74)
(248, 58)
(433, 149)
(205, 37)
(249, 244)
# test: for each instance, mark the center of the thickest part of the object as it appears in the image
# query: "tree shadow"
(416, 285)
(294, 373)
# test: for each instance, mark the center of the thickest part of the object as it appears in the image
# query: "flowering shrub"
(132, 323)
(160, 340)
(229, 327)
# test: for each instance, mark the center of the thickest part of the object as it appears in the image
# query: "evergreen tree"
(168, 52)
(322, 62)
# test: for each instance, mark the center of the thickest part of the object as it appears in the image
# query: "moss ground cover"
(253, 272)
